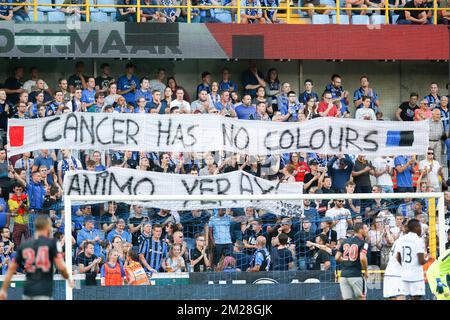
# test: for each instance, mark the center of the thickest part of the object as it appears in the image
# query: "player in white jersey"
(392, 283)
(410, 253)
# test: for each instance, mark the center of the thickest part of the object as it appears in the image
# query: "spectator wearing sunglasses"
(341, 218)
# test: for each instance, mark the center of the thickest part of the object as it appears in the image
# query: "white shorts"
(414, 288)
(392, 287)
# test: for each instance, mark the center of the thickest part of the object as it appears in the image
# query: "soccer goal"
(387, 207)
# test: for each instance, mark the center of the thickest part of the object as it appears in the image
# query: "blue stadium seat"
(320, 19)
(360, 19)
(40, 16)
(46, 8)
(56, 16)
(113, 16)
(343, 19)
(105, 9)
(99, 17)
(378, 19)
(394, 18)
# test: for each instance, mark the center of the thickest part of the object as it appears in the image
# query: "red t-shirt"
(302, 168)
(324, 106)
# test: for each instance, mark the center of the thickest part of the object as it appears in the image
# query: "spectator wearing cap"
(250, 236)
(314, 177)
(285, 226)
(128, 83)
(340, 168)
(303, 253)
(89, 233)
(120, 231)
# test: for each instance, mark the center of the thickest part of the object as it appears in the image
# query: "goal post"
(71, 199)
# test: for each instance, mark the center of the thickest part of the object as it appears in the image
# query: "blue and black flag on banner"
(399, 138)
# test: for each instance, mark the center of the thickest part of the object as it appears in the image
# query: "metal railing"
(238, 7)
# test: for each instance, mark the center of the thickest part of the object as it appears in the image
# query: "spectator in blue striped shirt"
(445, 113)
(6, 12)
(253, 12)
(365, 91)
(153, 251)
(338, 93)
(434, 99)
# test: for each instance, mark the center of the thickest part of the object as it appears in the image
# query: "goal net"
(210, 251)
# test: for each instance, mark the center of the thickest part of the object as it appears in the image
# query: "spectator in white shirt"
(366, 112)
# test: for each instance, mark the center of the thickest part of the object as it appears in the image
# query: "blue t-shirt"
(88, 96)
(147, 95)
(225, 86)
(221, 229)
(404, 179)
(123, 83)
(244, 112)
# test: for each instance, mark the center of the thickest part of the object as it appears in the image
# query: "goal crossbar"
(69, 199)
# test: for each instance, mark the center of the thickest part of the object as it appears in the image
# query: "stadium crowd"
(256, 11)
(110, 237)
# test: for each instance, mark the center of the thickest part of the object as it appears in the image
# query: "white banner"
(121, 181)
(202, 133)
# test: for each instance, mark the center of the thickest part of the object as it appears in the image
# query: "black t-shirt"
(135, 221)
(281, 259)
(407, 113)
(300, 242)
(75, 81)
(102, 82)
(413, 13)
(362, 180)
(13, 84)
(251, 236)
(37, 256)
(308, 178)
(194, 254)
(320, 257)
(331, 236)
(350, 249)
(156, 218)
(91, 274)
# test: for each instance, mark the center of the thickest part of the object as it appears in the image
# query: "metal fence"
(91, 4)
